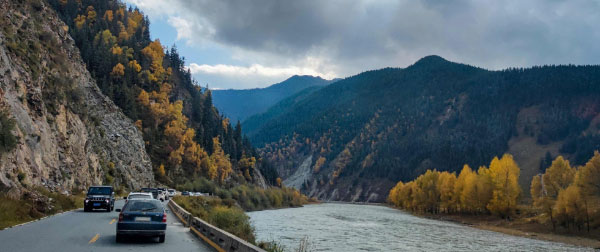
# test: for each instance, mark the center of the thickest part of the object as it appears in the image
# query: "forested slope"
(185, 135)
(363, 132)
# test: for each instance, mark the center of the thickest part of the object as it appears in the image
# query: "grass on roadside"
(34, 205)
(224, 214)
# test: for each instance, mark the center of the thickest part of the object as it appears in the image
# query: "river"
(348, 227)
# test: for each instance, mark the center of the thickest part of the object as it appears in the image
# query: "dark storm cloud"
(358, 35)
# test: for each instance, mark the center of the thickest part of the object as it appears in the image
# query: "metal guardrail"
(219, 239)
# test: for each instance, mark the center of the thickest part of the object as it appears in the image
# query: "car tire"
(161, 239)
(108, 209)
(86, 209)
(118, 238)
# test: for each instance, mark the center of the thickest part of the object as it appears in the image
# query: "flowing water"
(348, 227)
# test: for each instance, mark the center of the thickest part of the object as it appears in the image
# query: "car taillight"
(120, 217)
(164, 217)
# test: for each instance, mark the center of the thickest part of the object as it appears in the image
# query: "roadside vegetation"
(565, 199)
(224, 214)
(250, 197)
(35, 204)
(227, 215)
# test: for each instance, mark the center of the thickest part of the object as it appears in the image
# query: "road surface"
(93, 231)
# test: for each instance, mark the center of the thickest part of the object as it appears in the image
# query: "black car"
(143, 217)
(99, 197)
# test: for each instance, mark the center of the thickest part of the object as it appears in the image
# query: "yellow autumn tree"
(318, 164)
(445, 187)
(108, 15)
(393, 197)
(546, 187)
(505, 175)
(570, 209)
(459, 187)
(587, 179)
(161, 171)
(428, 196)
(133, 64)
(118, 70)
(220, 160)
(246, 164)
(80, 21)
(154, 54)
(91, 13)
(116, 50)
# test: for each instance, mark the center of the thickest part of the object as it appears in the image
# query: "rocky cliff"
(69, 134)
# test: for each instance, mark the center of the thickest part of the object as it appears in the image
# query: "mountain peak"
(431, 59)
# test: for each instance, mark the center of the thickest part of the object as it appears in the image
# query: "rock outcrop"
(69, 134)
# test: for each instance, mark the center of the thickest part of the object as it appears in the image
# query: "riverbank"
(522, 227)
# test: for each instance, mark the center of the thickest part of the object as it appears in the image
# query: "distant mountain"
(352, 140)
(241, 104)
(255, 122)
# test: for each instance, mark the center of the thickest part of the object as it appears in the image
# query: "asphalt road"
(93, 231)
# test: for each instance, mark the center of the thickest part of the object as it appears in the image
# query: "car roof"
(102, 186)
(140, 193)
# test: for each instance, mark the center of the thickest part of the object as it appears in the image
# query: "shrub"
(8, 141)
(221, 213)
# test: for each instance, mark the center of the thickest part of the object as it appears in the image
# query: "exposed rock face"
(70, 135)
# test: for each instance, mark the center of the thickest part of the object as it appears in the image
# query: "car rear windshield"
(143, 206)
(99, 191)
(140, 196)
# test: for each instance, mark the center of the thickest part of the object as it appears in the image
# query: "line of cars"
(142, 215)
(186, 193)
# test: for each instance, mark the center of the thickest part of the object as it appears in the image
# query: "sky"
(249, 44)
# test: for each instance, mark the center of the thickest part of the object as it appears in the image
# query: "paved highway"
(95, 231)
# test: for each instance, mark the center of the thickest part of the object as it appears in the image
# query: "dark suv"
(99, 197)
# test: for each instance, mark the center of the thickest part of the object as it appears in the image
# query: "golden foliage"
(91, 13)
(318, 164)
(504, 173)
(105, 37)
(116, 50)
(108, 15)
(161, 171)
(80, 21)
(138, 124)
(493, 189)
(220, 160)
(118, 70)
(133, 64)
(155, 54)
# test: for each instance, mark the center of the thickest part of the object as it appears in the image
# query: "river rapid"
(349, 227)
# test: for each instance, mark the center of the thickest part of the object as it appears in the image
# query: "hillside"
(353, 139)
(58, 130)
(241, 104)
(185, 136)
(255, 122)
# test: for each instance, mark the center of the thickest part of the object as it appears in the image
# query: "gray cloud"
(348, 37)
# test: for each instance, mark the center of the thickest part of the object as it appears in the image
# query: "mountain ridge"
(239, 104)
(432, 114)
